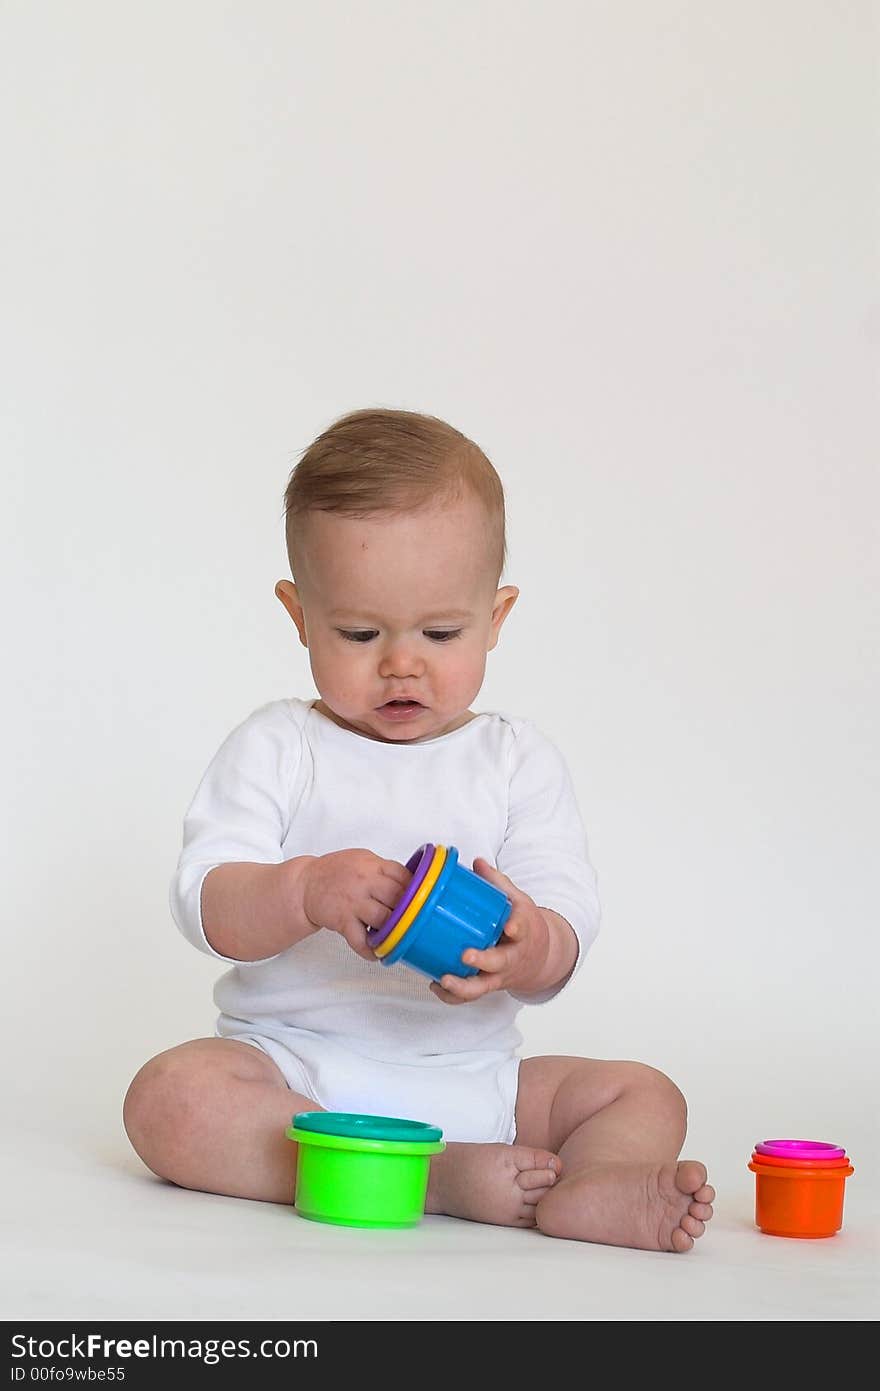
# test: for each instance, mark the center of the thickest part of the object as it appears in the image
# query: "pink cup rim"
(813, 1150)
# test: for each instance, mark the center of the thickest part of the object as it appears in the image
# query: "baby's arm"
(233, 894)
(253, 911)
(562, 953)
(544, 861)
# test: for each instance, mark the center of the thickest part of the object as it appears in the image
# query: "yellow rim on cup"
(432, 874)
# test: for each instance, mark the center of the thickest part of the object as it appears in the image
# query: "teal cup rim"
(357, 1125)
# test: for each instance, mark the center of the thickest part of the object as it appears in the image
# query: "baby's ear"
(504, 601)
(289, 595)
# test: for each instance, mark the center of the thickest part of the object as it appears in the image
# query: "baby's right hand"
(348, 891)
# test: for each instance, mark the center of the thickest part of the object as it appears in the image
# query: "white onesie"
(352, 1035)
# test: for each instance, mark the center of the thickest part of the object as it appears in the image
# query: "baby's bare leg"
(211, 1114)
(618, 1128)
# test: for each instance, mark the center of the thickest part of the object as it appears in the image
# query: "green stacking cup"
(362, 1171)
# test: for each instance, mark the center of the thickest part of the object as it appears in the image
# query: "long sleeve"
(545, 845)
(240, 812)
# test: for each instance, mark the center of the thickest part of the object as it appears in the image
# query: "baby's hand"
(348, 891)
(519, 956)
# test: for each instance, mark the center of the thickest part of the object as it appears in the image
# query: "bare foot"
(501, 1184)
(655, 1207)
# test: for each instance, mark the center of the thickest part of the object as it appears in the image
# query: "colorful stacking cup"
(415, 905)
(799, 1187)
(358, 1170)
(418, 865)
(462, 911)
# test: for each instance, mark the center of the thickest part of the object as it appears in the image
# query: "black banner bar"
(124, 1354)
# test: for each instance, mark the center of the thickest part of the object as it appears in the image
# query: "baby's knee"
(655, 1089)
(159, 1099)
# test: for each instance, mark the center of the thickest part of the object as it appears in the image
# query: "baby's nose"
(400, 661)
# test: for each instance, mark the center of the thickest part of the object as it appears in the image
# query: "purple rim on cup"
(418, 864)
(812, 1150)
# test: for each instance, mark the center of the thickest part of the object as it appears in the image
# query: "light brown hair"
(377, 460)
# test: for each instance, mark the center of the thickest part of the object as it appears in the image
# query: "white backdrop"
(632, 250)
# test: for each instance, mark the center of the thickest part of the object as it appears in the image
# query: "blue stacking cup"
(461, 911)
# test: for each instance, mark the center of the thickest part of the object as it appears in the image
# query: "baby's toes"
(692, 1225)
(680, 1240)
(532, 1196)
(690, 1178)
(536, 1180)
(706, 1194)
(530, 1161)
(701, 1210)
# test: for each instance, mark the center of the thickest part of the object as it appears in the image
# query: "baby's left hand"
(517, 959)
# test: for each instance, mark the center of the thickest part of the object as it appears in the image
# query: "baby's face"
(398, 612)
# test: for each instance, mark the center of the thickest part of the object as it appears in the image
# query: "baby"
(295, 843)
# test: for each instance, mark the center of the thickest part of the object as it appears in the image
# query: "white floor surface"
(90, 1233)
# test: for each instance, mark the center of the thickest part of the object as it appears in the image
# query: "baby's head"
(396, 541)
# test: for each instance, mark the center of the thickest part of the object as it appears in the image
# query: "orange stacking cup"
(799, 1187)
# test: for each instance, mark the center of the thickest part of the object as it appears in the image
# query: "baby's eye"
(442, 634)
(358, 635)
